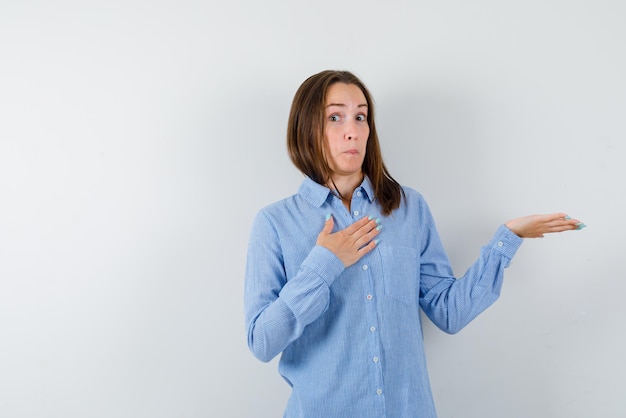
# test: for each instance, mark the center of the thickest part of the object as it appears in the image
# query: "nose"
(350, 132)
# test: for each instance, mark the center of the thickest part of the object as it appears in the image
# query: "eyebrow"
(343, 105)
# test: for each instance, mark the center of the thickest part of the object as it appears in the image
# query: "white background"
(139, 138)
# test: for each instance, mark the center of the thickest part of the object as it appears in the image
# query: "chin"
(351, 172)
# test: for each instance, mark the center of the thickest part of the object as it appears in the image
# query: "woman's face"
(346, 129)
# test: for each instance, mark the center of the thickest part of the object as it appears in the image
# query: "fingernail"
(377, 220)
(567, 217)
(379, 227)
(328, 216)
(369, 218)
(580, 226)
(376, 241)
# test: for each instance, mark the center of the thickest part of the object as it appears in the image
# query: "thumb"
(328, 225)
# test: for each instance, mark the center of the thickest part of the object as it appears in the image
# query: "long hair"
(305, 137)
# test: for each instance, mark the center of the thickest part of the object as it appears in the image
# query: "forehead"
(345, 94)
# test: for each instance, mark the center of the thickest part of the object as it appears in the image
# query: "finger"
(369, 225)
(329, 224)
(353, 228)
(368, 236)
(568, 227)
(565, 219)
(360, 227)
(549, 218)
(371, 230)
(367, 248)
(559, 223)
(557, 226)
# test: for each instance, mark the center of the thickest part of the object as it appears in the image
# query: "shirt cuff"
(505, 242)
(324, 263)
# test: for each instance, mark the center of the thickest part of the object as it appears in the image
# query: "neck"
(344, 186)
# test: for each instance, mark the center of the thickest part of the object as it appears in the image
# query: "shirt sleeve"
(277, 308)
(452, 303)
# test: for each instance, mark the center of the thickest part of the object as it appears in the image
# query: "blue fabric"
(351, 338)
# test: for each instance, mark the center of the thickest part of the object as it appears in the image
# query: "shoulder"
(412, 196)
(268, 220)
(279, 208)
(414, 206)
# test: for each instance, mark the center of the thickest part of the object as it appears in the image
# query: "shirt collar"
(316, 194)
(368, 188)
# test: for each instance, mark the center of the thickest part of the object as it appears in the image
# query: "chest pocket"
(400, 273)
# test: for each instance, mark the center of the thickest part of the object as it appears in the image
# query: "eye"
(333, 118)
(361, 118)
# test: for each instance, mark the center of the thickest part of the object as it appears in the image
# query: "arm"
(451, 304)
(278, 308)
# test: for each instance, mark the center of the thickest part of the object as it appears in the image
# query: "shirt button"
(358, 194)
(379, 391)
(369, 297)
(372, 329)
(500, 243)
(356, 213)
(365, 267)
(375, 359)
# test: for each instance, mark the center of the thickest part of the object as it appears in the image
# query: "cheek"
(366, 134)
(331, 139)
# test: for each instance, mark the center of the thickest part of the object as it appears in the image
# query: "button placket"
(374, 344)
(356, 203)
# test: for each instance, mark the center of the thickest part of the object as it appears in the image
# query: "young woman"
(337, 273)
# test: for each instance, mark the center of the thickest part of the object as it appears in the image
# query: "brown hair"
(305, 137)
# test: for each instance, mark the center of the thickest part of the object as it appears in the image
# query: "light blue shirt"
(351, 338)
